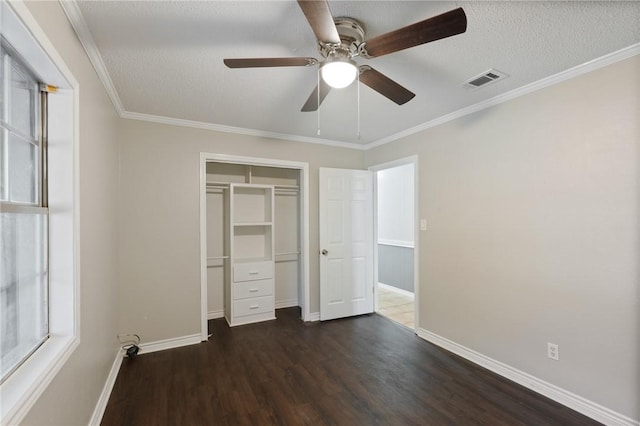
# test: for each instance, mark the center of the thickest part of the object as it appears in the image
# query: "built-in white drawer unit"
(252, 293)
(247, 289)
(252, 271)
(249, 283)
(253, 306)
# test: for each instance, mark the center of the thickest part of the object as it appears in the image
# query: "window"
(42, 228)
(23, 213)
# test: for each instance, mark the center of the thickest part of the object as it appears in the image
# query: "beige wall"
(532, 210)
(160, 218)
(71, 397)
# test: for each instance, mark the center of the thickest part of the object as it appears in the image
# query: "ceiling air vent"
(485, 78)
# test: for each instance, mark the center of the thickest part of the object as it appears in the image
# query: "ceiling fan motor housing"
(351, 36)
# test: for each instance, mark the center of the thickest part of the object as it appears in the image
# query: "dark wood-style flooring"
(365, 370)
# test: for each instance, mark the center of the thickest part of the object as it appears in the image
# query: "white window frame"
(34, 207)
(23, 388)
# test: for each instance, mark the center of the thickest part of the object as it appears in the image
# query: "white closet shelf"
(220, 184)
(253, 224)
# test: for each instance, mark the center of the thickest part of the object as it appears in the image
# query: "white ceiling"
(165, 59)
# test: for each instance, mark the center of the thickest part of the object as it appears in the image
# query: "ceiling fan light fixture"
(338, 71)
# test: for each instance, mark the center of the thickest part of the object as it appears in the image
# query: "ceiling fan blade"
(384, 85)
(270, 62)
(312, 101)
(319, 16)
(438, 27)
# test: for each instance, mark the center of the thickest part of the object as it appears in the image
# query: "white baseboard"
(215, 314)
(564, 397)
(176, 342)
(286, 303)
(314, 316)
(395, 289)
(101, 405)
(145, 348)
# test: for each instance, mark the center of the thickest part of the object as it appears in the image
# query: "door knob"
(324, 252)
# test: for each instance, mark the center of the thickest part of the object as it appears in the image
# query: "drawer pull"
(254, 272)
(253, 290)
(254, 306)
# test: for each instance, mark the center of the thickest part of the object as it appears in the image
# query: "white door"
(346, 243)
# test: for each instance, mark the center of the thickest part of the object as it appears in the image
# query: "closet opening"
(254, 238)
(395, 243)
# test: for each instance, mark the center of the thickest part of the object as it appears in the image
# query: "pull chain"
(358, 77)
(318, 93)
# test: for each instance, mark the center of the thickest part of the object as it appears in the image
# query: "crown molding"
(236, 130)
(79, 25)
(601, 62)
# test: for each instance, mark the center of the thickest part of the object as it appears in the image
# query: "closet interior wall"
(286, 182)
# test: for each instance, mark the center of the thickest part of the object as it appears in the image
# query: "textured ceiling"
(165, 59)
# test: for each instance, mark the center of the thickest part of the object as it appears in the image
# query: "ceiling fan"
(340, 40)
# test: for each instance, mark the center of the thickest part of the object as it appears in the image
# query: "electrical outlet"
(553, 351)
(423, 224)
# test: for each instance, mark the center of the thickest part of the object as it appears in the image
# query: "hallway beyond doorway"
(396, 305)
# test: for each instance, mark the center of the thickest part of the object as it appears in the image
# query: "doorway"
(396, 241)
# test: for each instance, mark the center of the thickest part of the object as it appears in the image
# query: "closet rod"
(288, 254)
(217, 257)
(286, 191)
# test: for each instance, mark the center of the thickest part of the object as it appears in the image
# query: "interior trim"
(74, 15)
(236, 130)
(413, 159)
(101, 405)
(395, 289)
(396, 243)
(289, 303)
(30, 381)
(176, 342)
(215, 314)
(568, 74)
(82, 30)
(145, 348)
(562, 396)
(27, 384)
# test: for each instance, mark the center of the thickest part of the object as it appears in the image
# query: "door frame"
(303, 295)
(416, 230)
